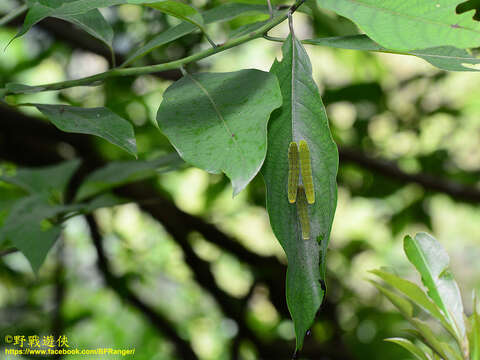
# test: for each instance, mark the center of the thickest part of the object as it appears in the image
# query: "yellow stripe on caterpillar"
(306, 169)
(293, 172)
(302, 212)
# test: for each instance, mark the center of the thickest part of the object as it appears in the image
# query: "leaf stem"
(142, 70)
(13, 14)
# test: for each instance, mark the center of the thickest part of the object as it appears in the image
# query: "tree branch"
(118, 284)
(390, 169)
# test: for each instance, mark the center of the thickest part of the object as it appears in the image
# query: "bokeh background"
(194, 269)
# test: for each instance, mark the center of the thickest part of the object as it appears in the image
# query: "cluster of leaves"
(458, 337)
(241, 123)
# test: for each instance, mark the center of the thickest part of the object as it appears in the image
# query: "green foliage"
(218, 122)
(410, 24)
(301, 117)
(237, 122)
(442, 301)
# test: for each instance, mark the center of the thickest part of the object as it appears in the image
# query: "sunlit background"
(395, 108)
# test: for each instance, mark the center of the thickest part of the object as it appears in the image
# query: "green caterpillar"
(306, 169)
(302, 211)
(293, 172)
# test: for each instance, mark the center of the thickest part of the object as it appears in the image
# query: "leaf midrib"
(220, 117)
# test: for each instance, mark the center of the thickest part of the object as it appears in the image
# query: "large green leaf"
(432, 262)
(444, 57)
(94, 23)
(411, 347)
(410, 24)
(23, 227)
(302, 116)
(218, 121)
(123, 172)
(223, 12)
(416, 295)
(100, 122)
(51, 180)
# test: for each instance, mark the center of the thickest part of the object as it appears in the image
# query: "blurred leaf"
(401, 303)
(50, 179)
(94, 121)
(424, 331)
(415, 294)
(93, 23)
(411, 347)
(179, 10)
(102, 201)
(432, 262)
(120, 173)
(444, 57)
(469, 5)
(302, 116)
(24, 229)
(410, 24)
(218, 121)
(223, 12)
(474, 333)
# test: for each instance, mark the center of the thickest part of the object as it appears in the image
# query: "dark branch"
(457, 191)
(118, 284)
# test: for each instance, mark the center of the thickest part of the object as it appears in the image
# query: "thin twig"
(142, 70)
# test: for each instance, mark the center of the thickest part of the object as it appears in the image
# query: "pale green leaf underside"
(302, 116)
(444, 57)
(410, 24)
(432, 262)
(93, 121)
(218, 121)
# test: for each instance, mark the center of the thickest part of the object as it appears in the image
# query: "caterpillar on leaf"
(293, 172)
(306, 169)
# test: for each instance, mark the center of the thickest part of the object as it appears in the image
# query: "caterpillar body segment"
(293, 172)
(302, 212)
(306, 169)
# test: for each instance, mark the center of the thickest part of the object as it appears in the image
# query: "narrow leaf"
(94, 121)
(179, 10)
(123, 172)
(416, 295)
(432, 262)
(218, 121)
(410, 24)
(301, 117)
(400, 303)
(409, 346)
(474, 333)
(444, 57)
(220, 13)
